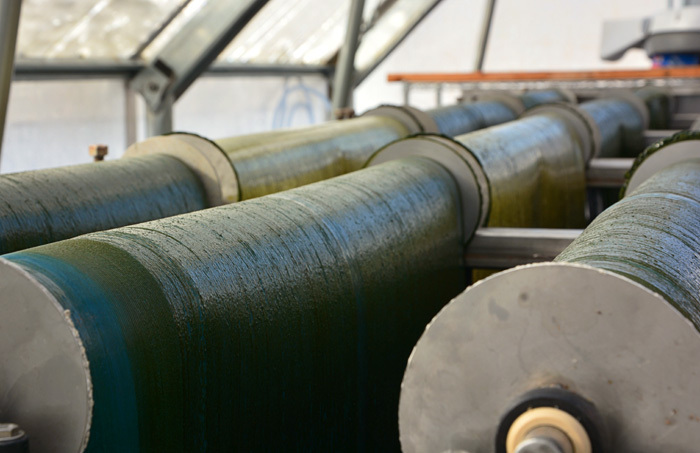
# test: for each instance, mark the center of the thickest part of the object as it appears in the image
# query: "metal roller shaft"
(463, 118)
(44, 206)
(282, 323)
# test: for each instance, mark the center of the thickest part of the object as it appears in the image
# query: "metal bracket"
(192, 50)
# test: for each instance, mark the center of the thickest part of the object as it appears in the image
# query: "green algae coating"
(460, 119)
(282, 323)
(535, 170)
(43, 206)
(536, 174)
(658, 101)
(621, 127)
(655, 147)
(303, 156)
(652, 236)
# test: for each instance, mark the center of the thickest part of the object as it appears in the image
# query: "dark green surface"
(535, 170)
(460, 119)
(303, 156)
(621, 126)
(44, 206)
(277, 324)
(658, 101)
(652, 236)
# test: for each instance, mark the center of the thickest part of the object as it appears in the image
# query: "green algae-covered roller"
(48, 205)
(533, 98)
(462, 118)
(598, 351)
(278, 324)
(621, 117)
(44, 206)
(531, 171)
(491, 110)
(659, 102)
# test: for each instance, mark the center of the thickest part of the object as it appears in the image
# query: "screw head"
(98, 151)
(9, 431)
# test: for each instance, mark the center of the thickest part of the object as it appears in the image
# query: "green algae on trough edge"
(655, 147)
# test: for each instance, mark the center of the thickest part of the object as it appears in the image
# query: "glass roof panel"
(291, 32)
(399, 18)
(90, 29)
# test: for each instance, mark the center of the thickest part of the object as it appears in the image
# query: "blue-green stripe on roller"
(277, 324)
(44, 206)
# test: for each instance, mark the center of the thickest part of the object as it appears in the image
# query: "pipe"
(608, 172)
(281, 323)
(308, 155)
(9, 24)
(462, 118)
(533, 98)
(502, 248)
(51, 205)
(536, 171)
(659, 102)
(621, 125)
(230, 170)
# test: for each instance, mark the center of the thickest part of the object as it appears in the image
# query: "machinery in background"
(670, 38)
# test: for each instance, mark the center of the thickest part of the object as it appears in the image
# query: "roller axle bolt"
(545, 439)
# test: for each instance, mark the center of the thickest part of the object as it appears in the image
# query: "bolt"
(539, 445)
(545, 439)
(9, 431)
(98, 152)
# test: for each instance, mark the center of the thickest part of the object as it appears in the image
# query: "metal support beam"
(502, 248)
(484, 38)
(345, 72)
(366, 71)
(161, 121)
(607, 172)
(654, 135)
(9, 23)
(190, 52)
